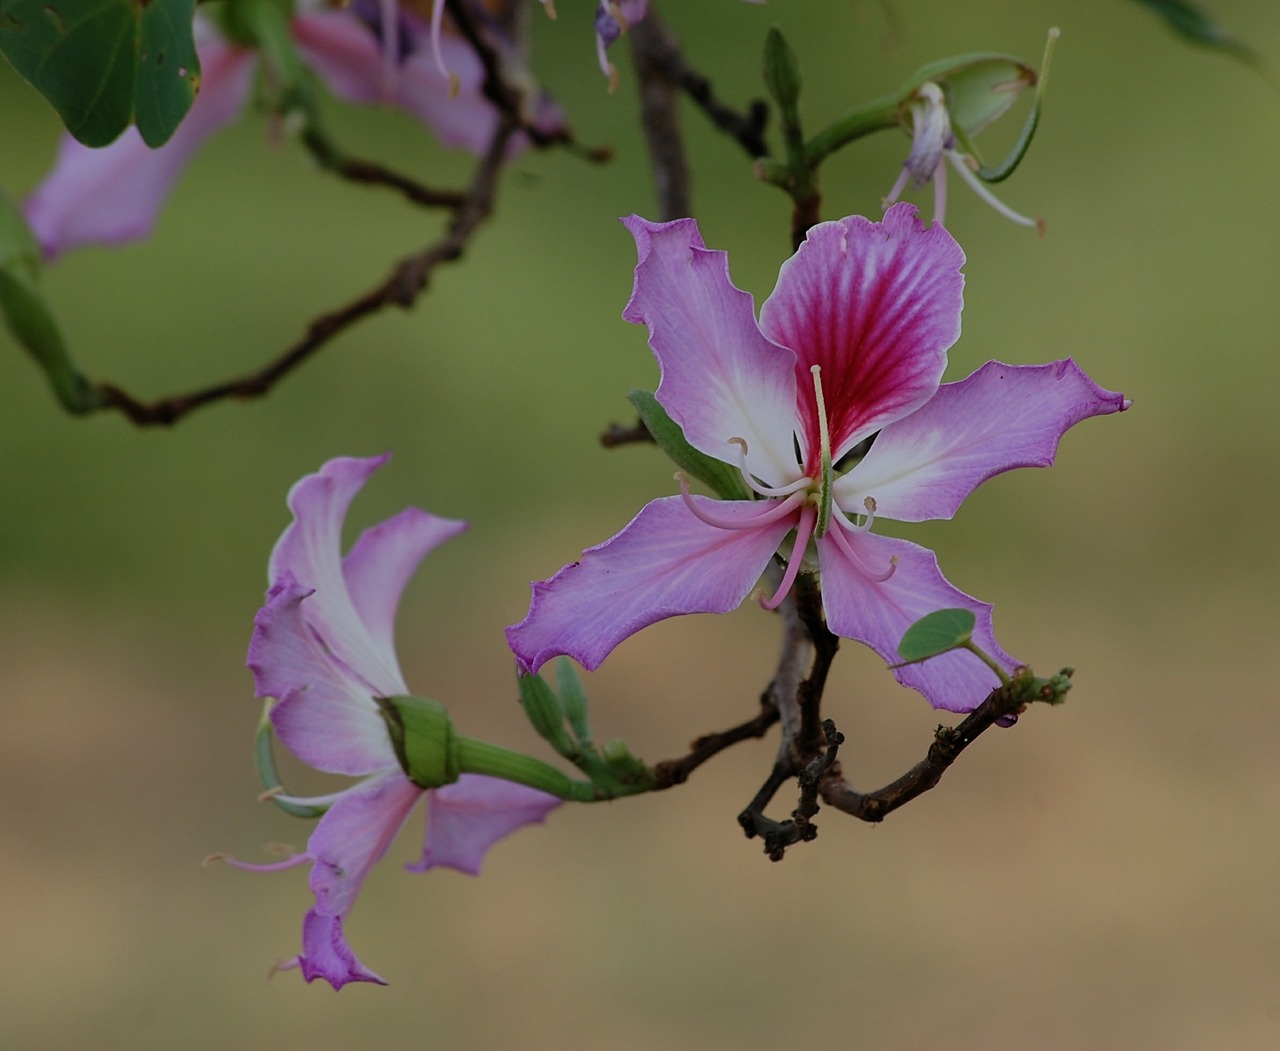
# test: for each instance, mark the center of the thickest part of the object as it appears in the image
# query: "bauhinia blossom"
(113, 195)
(323, 646)
(851, 344)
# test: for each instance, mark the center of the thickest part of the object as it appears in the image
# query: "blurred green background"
(1103, 876)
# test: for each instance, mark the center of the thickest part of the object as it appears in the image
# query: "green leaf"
(938, 632)
(104, 64)
(723, 480)
(1196, 25)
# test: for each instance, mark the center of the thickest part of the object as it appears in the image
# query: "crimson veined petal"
(1000, 417)
(310, 550)
(112, 195)
(877, 612)
(665, 563)
(876, 306)
(467, 817)
(721, 378)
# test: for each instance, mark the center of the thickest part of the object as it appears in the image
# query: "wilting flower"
(613, 17)
(933, 146)
(112, 195)
(851, 344)
(323, 646)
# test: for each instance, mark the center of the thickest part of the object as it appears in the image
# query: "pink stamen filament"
(774, 510)
(758, 487)
(804, 531)
(390, 16)
(843, 542)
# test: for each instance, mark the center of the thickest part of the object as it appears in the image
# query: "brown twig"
(659, 49)
(660, 117)
(401, 288)
(677, 771)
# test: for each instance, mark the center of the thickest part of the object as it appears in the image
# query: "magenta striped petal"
(876, 306)
(665, 563)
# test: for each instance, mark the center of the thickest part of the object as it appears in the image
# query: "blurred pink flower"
(852, 343)
(113, 195)
(323, 645)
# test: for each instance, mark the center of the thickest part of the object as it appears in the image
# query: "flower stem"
(480, 757)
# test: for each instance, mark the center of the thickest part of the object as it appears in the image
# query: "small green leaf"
(938, 632)
(1197, 26)
(725, 481)
(104, 64)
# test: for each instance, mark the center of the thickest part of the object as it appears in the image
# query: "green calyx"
(422, 736)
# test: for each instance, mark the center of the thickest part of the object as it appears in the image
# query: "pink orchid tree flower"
(323, 646)
(112, 195)
(851, 344)
(613, 18)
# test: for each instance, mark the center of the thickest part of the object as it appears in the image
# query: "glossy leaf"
(724, 481)
(105, 64)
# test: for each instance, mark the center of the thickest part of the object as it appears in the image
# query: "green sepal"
(936, 633)
(104, 64)
(422, 736)
(28, 316)
(543, 709)
(266, 764)
(625, 768)
(725, 481)
(573, 699)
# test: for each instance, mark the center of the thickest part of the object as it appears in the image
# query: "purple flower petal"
(1000, 417)
(468, 817)
(664, 563)
(878, 613)
(326, 954)
(354, 835)
(721, 378)
(326, 715)
(877, 306)
(310, 552)
(379, 565)
(112, 195)
(349, 60)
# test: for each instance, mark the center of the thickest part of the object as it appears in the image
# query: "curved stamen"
(389, 18)
(855, 527)
(437, 24)
(774, 509)
(757, 487)
(960, 163)
(859, 564)
(273, 866)
(804, 530)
